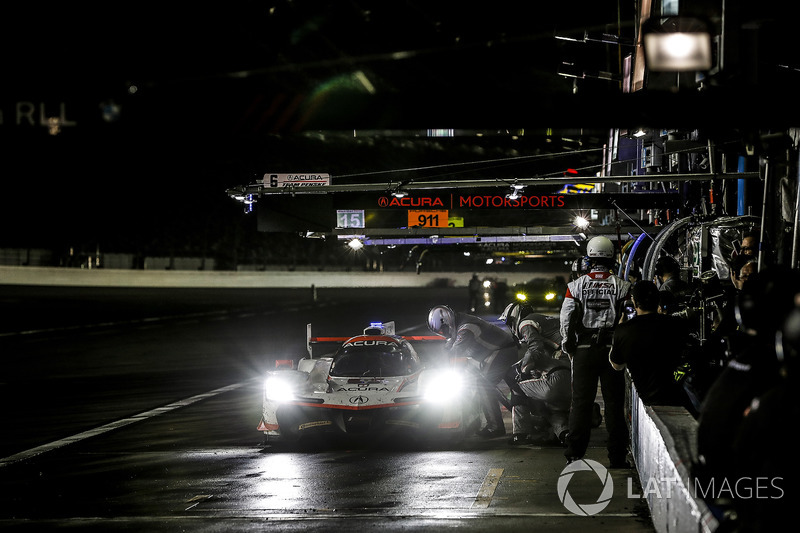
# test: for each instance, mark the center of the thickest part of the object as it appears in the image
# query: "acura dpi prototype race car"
(373, 385)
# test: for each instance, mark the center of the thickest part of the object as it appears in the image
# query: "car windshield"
(369, 361)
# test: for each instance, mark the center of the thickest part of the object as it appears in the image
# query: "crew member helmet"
(600, 248)
(442, 321)
(579, 267)
(513, 313)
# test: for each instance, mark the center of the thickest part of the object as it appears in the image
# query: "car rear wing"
(375, 328)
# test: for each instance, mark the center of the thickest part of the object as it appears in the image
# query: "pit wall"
(664, 446)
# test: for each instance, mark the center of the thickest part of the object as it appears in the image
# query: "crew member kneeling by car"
(489, 344)
(544, 391)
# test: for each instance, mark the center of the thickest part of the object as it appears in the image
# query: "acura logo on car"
(358, 400)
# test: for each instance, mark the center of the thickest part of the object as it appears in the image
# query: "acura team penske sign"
(287, 181)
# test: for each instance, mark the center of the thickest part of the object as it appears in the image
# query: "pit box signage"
(288, 181)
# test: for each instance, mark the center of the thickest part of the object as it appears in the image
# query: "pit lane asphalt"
(167, 384)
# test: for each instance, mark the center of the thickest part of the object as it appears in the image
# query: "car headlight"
(443, 386)
(278, 389)
(550, 296)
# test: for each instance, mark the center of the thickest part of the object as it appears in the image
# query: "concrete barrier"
(664, 447)
(103, 277)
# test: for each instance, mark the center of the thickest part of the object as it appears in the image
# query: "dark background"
(173, 103)
(208, 96)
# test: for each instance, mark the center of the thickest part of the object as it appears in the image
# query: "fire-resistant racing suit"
(591, 309)
(496, 349)
(543, 379)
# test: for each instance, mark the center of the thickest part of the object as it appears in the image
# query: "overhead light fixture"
(398, 191)
(679, 44)
(639, 133)
(516, 189)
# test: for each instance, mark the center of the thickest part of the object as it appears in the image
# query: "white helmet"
(442, 321)
(512, 314)
(600, 248)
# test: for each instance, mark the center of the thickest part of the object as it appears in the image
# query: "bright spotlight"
(581, 222)
(678, 51)
(355, 244)
(679, 44)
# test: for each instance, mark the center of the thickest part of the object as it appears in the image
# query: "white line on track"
(485, 495)
(27, 454)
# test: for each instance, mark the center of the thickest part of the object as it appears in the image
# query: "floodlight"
(679, 44)
(581, 222)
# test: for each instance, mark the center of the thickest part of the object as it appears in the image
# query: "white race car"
(373, 385)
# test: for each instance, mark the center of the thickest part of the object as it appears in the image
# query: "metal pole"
(763, 211)
(614, 203)
(740, 193)
(796, 237)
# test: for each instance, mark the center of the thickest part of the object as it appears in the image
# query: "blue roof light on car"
(375, 328)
